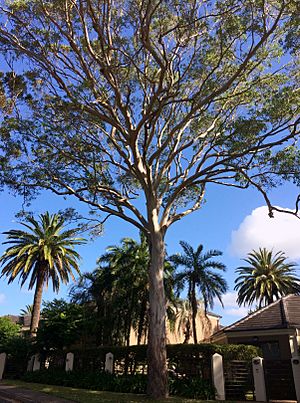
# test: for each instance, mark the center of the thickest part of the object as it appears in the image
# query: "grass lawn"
(93, 396)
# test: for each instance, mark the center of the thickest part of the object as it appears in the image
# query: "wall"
(205, 325)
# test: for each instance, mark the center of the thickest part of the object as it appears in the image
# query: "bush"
(183, 359)
(186, 387)
(8, 331)
(193, 388)
(90, 380)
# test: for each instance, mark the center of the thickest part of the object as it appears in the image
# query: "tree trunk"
(37, 301)
(194, 309)
(141, 321)
(157, 356)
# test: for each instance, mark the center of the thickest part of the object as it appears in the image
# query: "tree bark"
(157, 356)
(194, 309)
(37, 301)
(141, 321)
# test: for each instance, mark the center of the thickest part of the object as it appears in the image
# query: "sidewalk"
(14, 394)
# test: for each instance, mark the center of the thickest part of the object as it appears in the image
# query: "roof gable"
(281, 314)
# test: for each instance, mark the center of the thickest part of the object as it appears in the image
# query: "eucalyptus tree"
(266, 278)
(198, 275)
(43, 252)
(134, 107)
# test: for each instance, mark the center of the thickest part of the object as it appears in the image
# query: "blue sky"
(232, 221)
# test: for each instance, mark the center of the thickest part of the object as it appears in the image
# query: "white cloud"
(230, 305)
(281, 233)
(229, 299)
(2, 298)
(240, 311)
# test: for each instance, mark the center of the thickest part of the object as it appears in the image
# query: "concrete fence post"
(296, 374)
(259, 379)
(218, 376)
(36, 363)
(109, 363)
(69, 362)
(2, 364)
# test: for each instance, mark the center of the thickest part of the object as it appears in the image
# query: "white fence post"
(109, 363)
(36, 363)
(218, 376)
(296, 374)
(259, 379)
(2, 363)
(69, 362)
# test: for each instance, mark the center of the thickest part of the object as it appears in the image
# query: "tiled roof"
(20, 320)
(282, 314)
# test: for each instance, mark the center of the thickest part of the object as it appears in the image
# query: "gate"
(14, 367)
(279, 380)
(239, 384)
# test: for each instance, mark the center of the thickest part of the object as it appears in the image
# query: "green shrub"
(193, 388)
(133, 359)
(186, 387)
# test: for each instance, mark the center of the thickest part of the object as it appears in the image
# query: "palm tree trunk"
(141, 320)
(194, 309)
(157, 357)
(37, 301)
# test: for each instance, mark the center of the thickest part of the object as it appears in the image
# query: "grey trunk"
(38, 294)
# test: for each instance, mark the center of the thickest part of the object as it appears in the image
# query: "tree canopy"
(121, 101)
(8, 331)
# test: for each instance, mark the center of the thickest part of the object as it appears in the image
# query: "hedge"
(188, 360)
(189, 367)
(196, 388)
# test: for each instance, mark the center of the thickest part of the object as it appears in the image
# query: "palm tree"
(44, 252)
(198, 275)
(267, 278)
(119, 291)
(27, 310)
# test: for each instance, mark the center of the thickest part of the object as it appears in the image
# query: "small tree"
(8, 331)
(134, 107)
(62, 325)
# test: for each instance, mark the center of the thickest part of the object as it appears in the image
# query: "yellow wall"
(206, 326)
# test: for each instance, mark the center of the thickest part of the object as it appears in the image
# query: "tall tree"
(41, 253)
(134, 107)
(198, 275)
(267, 278)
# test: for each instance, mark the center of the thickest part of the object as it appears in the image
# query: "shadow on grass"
(93, 396)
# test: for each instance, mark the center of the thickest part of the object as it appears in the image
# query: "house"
(206, 325)
(274, 328)
(22, 320)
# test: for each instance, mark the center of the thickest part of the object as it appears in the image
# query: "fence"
(232, 379)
